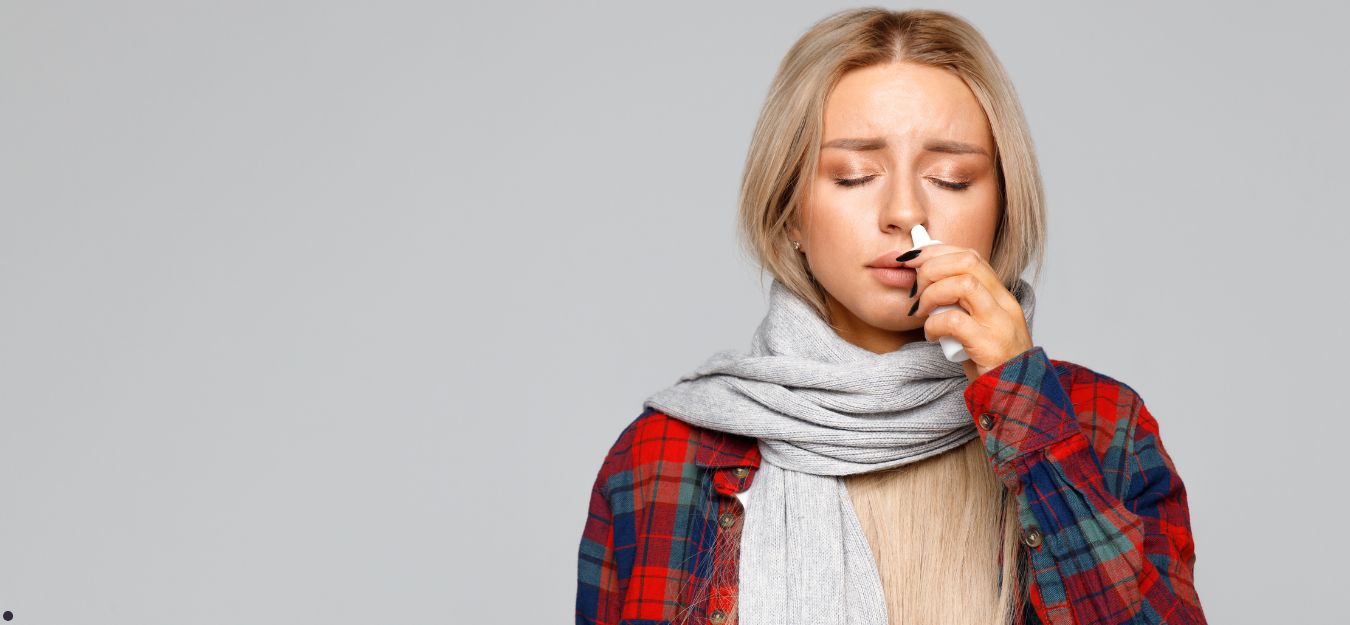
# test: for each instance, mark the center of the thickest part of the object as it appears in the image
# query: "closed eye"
(955, 186)
(946, 184)
(852, 182)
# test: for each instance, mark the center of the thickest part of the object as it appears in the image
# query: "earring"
(796, 245)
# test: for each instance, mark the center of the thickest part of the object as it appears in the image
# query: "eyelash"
(854, 182)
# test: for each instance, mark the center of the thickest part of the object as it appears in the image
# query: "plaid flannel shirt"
(1105, 525)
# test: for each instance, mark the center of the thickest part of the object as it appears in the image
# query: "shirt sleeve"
(599, 598)
(1115, 550)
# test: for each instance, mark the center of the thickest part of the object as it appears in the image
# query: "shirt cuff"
(1020, 407)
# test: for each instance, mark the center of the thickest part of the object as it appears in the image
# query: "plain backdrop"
(327, 312)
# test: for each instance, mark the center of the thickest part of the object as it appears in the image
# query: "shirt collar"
(718, 449)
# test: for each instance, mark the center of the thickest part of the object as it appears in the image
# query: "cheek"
(838, 251)
(835, 231)
(969, 224)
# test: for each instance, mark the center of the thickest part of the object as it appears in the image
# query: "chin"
(888, 313)
(896, 322)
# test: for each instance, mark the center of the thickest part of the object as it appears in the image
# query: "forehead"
(905, 100)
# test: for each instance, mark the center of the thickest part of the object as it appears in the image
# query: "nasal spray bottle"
(951, 348)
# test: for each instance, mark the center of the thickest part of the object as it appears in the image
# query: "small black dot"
(9, 616)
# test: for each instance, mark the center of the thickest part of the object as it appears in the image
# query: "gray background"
(328, 312)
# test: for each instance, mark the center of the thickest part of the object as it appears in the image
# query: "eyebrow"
(945, 146)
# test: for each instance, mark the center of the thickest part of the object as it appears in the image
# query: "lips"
(887, 260)
(897, 277)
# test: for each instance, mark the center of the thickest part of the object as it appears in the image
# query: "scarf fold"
(821, 408)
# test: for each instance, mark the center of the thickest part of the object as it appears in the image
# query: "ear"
(794, 233)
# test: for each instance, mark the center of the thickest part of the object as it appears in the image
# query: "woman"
(890, 484)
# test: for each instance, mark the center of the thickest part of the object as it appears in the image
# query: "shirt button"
(987, 420)
(728, 519)
(1032, 537)
(717, 616)
(740, 471)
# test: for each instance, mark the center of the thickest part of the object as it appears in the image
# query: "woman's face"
(899, 139)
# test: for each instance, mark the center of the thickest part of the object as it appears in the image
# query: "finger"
(931, 250)
(961, 260)
(958, 325)
(980, 338)
(964, 290)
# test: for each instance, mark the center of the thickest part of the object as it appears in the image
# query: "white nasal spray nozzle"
(951, 348)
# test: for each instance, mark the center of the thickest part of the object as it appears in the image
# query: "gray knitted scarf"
(821, 408)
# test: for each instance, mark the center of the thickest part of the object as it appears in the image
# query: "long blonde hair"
(938, 527)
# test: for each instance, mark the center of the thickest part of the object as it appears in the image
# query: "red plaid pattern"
(1104, 517)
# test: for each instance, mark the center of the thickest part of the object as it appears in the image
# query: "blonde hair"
(940, 526)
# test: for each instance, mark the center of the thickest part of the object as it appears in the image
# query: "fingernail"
(908, 255)
(914, 287)
(912, 309)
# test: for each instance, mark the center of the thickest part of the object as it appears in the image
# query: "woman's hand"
(989, 321)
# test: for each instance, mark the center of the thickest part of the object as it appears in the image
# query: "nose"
(901, 209)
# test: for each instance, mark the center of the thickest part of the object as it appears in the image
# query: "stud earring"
(796, 245)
